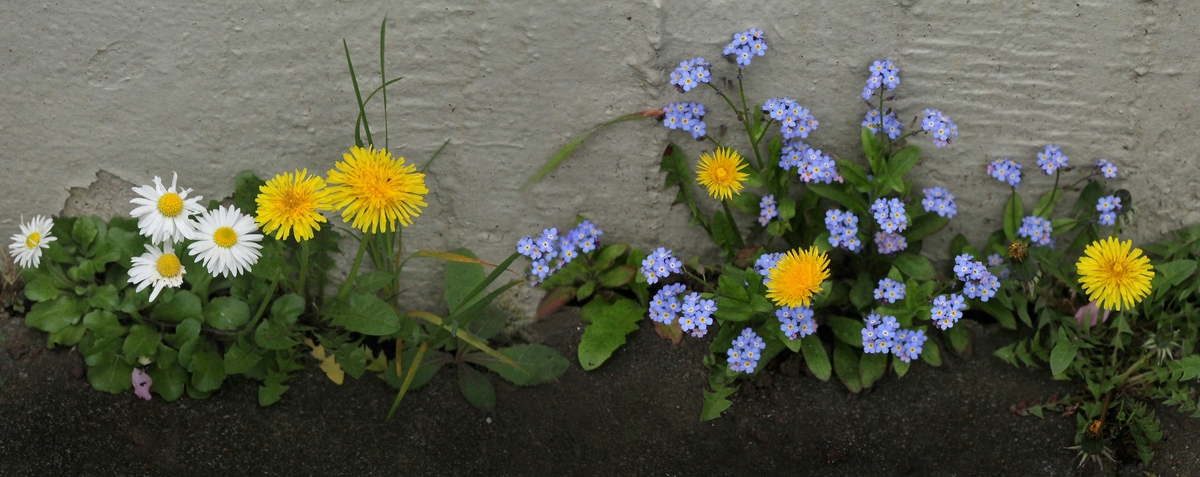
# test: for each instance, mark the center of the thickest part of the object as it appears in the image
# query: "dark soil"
(636, 415)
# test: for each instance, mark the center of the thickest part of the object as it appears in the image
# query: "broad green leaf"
(169, 382)
(845, 365)
(208, 370)
(476, 388)
(958, 338)
(374, 281)
(538, 364)
(608, 255)
(114, 377)
(240, 357)
(42, 289)
(617, 277)
(272, 389)
(871, 367)
(728, 286)
(1185, 369)
(609, 323)
(182, 306)
(184, 332)
(675, 164)
(725, 234)
(287, 308)
(103, 323)
(274, 336)
(141, 342)
(1013, 215)
(915, 266)
(51, 316)
(68, 336)
(924, 226)
(815, 357)
(105, 298)
(1170, 274)
(1000, 313)
(847, 331)
(838, 193)
(874, 152)
(226, 313)
(367, 314)
(716, 402)
(461, 279)
(585, 291)
(854, 174)
(932, 354)
(732, 309)
(84, 231)
(901, 367)
(903, 160)
(1048, 202)
(1063, 353)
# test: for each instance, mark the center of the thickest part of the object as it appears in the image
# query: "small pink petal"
(141, 383)
(1090, 313)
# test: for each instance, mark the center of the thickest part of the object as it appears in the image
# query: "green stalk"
(300, 285)
(345, 291)
(741, 244)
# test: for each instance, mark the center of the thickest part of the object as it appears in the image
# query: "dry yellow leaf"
(328, 362)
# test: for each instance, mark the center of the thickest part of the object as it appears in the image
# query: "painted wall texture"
(145, 88)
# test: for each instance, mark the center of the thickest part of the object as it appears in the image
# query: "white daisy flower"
(159, 267)
(27, 246)
(226, 241)
(164, 213)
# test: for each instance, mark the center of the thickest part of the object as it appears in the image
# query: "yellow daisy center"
(225, 237)
(720, 173)
(797, 277)
(170, 204)
(168, 265)
(33, 239)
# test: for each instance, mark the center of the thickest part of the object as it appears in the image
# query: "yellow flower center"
(225, 237)
(168, 265)
(33, 239)
(170, 204)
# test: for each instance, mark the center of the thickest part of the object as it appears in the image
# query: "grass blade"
(487, 281)
(362, 110)
(570, 147)
(435, 156)
(383, 79)
(408, 378)
(463, 335)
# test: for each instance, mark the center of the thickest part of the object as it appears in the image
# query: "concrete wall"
(144, 88)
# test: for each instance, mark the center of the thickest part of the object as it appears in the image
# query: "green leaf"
(728, 286)
(476, 388)
(674, 163)
(617, 277)
(240, 357)
(208, 370)
(538, 364)
(1088, 197)
(837, 192)
(272, 389)
(141, 342)
(958, 338)
(226, 313)
(1063, 353)
(374, 281)
(562, 153)
(723, 232)
(182, 306)
(815, 357)
(103, 323)
(461, 279)
(847, 331)
(845, 365)
(903, 160)
(915, 266)
(185, 332)
(901, 367)
(245, 192)
(68, 336)
(84, 231)
(871, 367)
(42, 289)
(367, 314)
(274, 335)
(1170, 274)
(608, 255)
(1003, 315)
(105, 298)
(51, 316)
(716, 402)
(114, 377)
(874, 152)
(854, 174)
(609, 324)
(1047, 203)
(169, 382)
(584, 291)
(923, 226)
(932, 354)
(1185, 369)
(287, 309)
(1013, 214)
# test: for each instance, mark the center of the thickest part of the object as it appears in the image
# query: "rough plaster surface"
(142, 88)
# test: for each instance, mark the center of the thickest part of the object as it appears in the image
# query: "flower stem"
(736, 232)
(345, 291)
(301, 283)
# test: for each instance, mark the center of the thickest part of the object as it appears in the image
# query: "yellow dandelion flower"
(1113, 275)
(291, 204)
(797, 277)
(720, 173)
(374, 191)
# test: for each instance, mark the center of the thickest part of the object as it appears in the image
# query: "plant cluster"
(181, 296)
